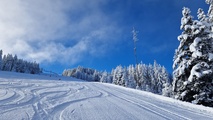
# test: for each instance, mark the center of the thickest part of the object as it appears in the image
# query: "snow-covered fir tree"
(140, 73)
(15, 60)
(12, 63)
(124, 78)
(201, 15)
(151, 79)
(8, 62)
(183, 54)
(157, 79)
(193, 59)
(104, 77)
(166, 84)
(83, 73)
(210, 11)
(96, 76)
(131, 83)
(0, 59)
(118, 73)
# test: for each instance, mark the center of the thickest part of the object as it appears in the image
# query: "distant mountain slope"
(39, 97)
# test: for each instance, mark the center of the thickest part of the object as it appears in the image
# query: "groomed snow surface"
(40, 97)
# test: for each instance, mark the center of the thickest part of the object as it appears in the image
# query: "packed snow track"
(40, 98)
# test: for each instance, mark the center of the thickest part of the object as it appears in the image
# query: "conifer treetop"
(209, 1)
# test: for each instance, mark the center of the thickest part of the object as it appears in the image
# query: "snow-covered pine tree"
(114, 76)
(20, 66)
(96, 76)
(12, 63)
(26, 67)
(137, 76)
(15, 60)
(150, 78)
(104, 77)
(166, 87)
(145, 77)
(124, 77)
(141, 73)
(138, 73)
(192, 62)
(35, 69)
(0, 59)
(131, 83)
(78, 73)
(202, 48)
(201, 15)
(210, 11)
(157, 80)
(8, 62)
(183, 55)
(119, 75)
(109, 78)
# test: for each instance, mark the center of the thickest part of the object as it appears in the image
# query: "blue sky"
(96, 34)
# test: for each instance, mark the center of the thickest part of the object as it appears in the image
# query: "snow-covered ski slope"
(39, 97)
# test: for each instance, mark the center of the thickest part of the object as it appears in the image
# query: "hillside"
(45, 97)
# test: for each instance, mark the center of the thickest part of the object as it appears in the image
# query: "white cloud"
(59, 30)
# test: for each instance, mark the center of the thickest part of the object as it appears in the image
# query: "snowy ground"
(39, 97)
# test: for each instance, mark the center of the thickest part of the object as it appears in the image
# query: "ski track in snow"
(36, 99)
